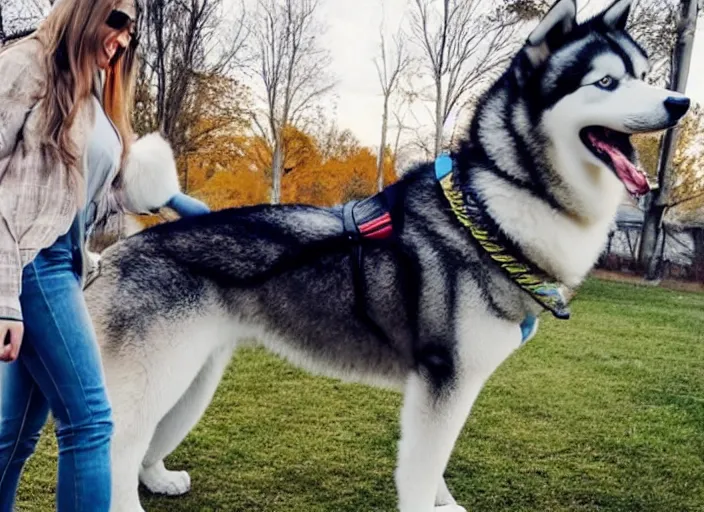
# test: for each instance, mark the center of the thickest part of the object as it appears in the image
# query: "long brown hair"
(71, 37)
(118, 95)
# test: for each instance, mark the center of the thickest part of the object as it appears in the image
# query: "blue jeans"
(59, 369)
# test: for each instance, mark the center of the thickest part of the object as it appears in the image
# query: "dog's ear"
(550, 33)
(616, 16)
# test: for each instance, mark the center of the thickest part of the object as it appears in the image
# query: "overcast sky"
(353, 35)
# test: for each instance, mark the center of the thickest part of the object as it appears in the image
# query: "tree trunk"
(438, 115)
(698, 256)
(397, 145)
(647, 252)
(681, 60)
(382, 146)
(277, 167)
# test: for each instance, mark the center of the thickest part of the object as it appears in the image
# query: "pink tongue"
(635, 181)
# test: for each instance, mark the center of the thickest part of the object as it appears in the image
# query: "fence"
(680, 249)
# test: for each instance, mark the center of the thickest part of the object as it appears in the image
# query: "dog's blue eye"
(607, 83)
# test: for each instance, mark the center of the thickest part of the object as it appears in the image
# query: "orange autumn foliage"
(240, 175)
(241, 187)
(336, 180)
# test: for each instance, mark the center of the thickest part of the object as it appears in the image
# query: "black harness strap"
(356, 258)
(365, 221)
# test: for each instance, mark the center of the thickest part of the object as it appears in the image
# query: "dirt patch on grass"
(671, 284)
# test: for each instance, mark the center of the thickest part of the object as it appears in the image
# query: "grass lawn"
(604, 412)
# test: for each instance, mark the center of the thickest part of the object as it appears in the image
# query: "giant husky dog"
(408, 298)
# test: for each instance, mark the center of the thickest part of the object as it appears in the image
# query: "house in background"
(681, 244)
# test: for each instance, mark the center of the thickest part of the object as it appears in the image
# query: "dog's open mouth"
(615, 150)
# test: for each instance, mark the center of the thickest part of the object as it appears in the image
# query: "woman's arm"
(10, 271)
(21, 86)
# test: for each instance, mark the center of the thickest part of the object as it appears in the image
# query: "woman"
(66, 162)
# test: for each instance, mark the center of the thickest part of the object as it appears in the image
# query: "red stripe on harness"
(375, 223)
(384, 232)
(377, 228)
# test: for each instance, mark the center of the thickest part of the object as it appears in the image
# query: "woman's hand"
(11, 332)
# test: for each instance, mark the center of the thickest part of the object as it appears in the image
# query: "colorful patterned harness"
(370, 219)
(548, 292)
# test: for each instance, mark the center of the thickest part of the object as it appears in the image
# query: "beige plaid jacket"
(37, 202)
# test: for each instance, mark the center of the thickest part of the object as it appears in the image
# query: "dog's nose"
(677, 107)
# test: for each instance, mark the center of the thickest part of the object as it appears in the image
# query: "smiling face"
(116, 34)
(558, 123)
(588, 96)
(604, 101)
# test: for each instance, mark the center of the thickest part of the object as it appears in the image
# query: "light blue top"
(102, 159)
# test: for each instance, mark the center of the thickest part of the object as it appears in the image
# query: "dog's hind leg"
(125, 486)
(435, 410)
(135, 418)
(129, 444)
(176, 425)
(444, 500)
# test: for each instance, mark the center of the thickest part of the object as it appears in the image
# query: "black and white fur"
(173, 303)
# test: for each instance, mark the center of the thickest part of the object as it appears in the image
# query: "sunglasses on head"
(119, 20)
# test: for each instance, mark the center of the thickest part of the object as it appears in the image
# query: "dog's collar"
(548, 292)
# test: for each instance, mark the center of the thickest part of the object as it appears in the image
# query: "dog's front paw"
(449, 508)
(158, 480)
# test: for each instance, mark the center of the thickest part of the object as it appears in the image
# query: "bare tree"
(464, 46)
(390, 67)
(290, 65)
(533, 9)
(659, 198)
(401, 144)
(652, 23)
(182, 40)
(21, 17)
